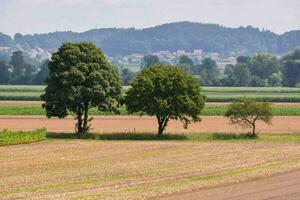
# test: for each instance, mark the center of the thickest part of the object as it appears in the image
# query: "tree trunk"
(85, 126)
(253, 129)
(79, 124)
(162, 124)
(160, 128)
(82, 120)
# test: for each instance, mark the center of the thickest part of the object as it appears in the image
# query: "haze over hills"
(171, 37)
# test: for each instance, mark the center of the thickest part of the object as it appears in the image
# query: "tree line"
(81, 78)
(261, 70)
(20, 71)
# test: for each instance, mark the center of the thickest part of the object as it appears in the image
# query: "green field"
(208, 110)
(214, 94)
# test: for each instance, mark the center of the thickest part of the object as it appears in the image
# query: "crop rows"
(20, 137)
(213, 94)
(208, 110)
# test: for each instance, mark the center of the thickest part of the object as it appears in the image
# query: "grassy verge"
(21, 137)
(196, 137)
(208, 110)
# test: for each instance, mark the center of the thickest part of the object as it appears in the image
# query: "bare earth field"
(282, 186)
(120, 124)
(78, 169)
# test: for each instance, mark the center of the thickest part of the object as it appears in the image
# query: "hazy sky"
(41, 16)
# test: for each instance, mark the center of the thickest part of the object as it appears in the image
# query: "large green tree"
(291, 68)
(166, 92)
(80, 77)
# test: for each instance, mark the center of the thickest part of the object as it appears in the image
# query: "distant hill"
(174, 36)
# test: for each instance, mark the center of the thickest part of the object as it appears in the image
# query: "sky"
(43, 16)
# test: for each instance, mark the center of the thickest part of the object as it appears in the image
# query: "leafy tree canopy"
(80, 77)
(166, 92)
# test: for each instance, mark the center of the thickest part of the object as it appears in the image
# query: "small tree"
(166, 92)
(80, 78)
(246, 112)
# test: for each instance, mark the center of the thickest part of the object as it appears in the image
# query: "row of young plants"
(213, 94)
(21, 137)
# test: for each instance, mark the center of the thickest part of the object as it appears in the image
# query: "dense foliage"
(246, 112)
(291, 69)
(80, 77)
(166, 92)
(20, 71)
(173, 36)
(257, 71)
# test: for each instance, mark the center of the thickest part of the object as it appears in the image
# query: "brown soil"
(87, 169)
(144, 124)
(284, 186)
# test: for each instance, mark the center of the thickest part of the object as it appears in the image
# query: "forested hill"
(172, 37)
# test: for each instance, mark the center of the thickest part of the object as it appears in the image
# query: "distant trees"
(166, 92)
(18, 70)
(291, 68)
(127, 76)
(42, 75)
(237, 75)
(264, 66)
(4, 72)
(209, 72)
(258, 71)
(185, 60)
(149, 60)
(246, 112)
(80, 77)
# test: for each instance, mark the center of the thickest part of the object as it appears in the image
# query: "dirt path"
(284, 186)
(143, 124)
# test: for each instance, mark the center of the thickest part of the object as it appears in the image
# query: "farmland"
(214, 94)
(90, 169)
(123, 159)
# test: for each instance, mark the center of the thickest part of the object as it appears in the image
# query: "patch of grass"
(120, 136)
(193, 137)
(231, 136)
(21, 137)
